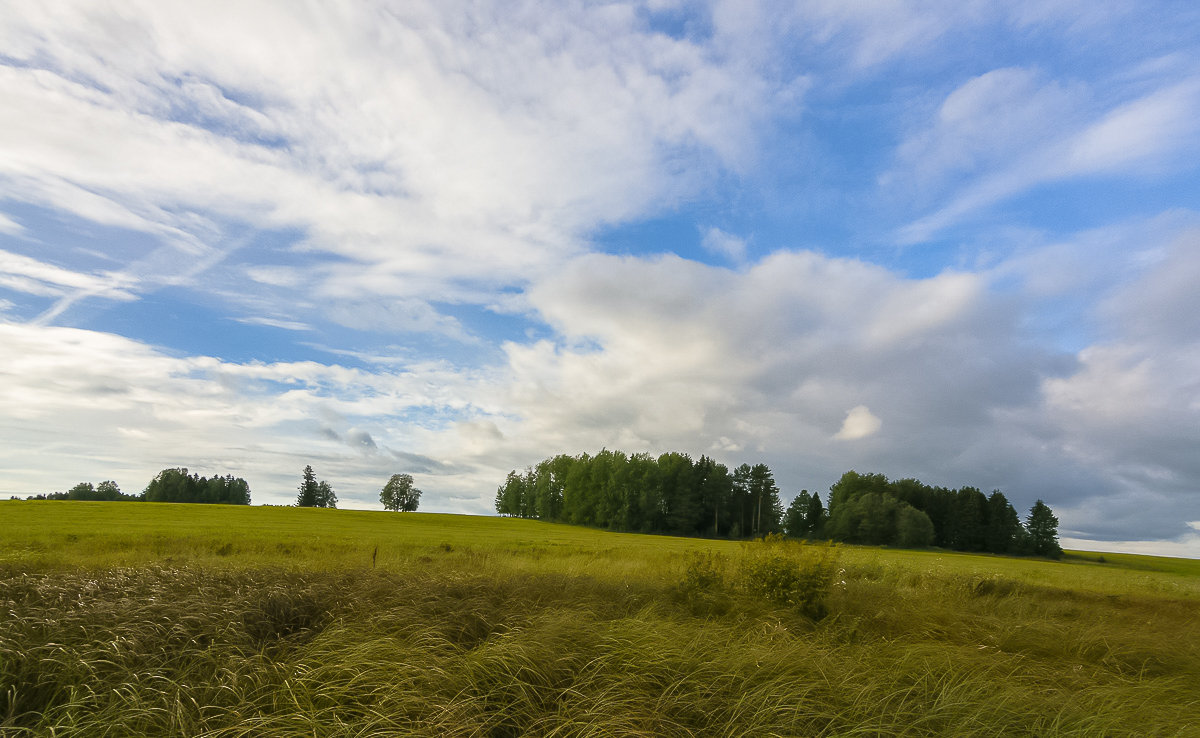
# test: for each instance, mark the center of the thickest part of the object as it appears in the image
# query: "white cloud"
(26, 274)
(1006, 132)
(424, 151)
(10, 226)
(90, 405)
(859, 423)
(287, 325)
(717, 241)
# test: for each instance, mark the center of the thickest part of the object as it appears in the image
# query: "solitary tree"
(399, 494)
(1043, 530)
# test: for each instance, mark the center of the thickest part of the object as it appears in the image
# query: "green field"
(154, 619)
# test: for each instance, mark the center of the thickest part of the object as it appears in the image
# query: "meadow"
(203, 620)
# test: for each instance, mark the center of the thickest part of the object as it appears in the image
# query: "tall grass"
(273, 623)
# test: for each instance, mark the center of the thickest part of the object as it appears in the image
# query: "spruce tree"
(309, 489)
(1043, 530)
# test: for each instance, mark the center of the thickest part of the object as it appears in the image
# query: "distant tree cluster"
(176, 485)
(315, 493)
(674, 494)
(668, 494)
(169, 485)
(867, 508)
(106, 491)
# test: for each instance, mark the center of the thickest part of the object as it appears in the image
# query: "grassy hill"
(155, 619)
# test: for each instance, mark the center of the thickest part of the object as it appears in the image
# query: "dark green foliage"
(107, 491)
(307, 496)
(795, 519)
(313, 493)
(1043, 531)
(399, 494)
(816, 517)
(867, 508)
(879, 519)
(325, 495)
(668, 494)
(968, 520)
(914, 529)
(176, 485)
(1003, 526)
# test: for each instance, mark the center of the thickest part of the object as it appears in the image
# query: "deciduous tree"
(399, 494)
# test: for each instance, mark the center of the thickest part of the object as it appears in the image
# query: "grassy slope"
(205, 620)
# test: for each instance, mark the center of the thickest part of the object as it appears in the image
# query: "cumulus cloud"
(1132, 406)
(859, 423)
(769, 359)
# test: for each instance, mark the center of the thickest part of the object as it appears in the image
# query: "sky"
(957, 241)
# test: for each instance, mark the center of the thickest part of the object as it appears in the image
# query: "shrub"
(703, 586)
(791, 574)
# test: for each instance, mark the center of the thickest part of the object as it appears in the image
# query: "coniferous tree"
(815, 519)
(308, 490)
(1002, 524)
(1042, 525)
(795, 520)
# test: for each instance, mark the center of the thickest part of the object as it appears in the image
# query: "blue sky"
(957, 241)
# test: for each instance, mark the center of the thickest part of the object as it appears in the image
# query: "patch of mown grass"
(258, 622)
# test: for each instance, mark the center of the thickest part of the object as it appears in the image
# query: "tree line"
(169, 485)
(177, 485)
(670, 493)
(675, 494)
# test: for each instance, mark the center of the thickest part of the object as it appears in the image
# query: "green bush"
(790, 573)
(703, 585)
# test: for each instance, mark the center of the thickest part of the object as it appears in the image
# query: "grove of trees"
(671, 493)
(870, 509)
(176, 485)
